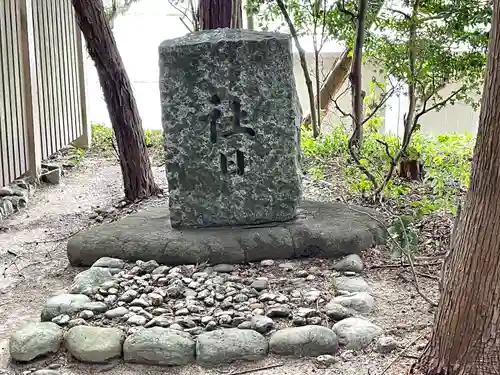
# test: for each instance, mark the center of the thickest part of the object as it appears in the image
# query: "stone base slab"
(321, 230)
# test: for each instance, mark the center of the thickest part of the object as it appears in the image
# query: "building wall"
(327, 60)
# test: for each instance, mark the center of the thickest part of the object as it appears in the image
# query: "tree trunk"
(138, 177)
(303, 64)
(466, 335)
(218, 14)
(334, 81)
(356, 79)
(340, 71)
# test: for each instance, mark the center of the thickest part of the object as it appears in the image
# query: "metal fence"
(42, 89)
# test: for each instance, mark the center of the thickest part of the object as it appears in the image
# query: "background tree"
(466, 335)
(216, 14)
(137, 175)
(114, 8)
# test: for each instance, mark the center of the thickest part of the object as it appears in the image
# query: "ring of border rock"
(320, 230)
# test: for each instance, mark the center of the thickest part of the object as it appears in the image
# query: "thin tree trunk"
(138, 177)
(334, 81)
(250, 19)
(340, 71)
(356, 78)
(303, 64)
(466, 335)
(218, 14)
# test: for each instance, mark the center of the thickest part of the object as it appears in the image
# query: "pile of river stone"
(157, 314)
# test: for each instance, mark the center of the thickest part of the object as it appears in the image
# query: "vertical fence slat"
(74, 69)
(83, 125)
(56, 81)
(18, 89)
(4, 152)
(48, 94)
(49, 30)
(12, 73)
(6, 45)
(43, 68)
(64, 69)
(26, 101)
(67, 14)
(30, 79)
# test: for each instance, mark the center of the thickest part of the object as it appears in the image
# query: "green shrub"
(103, 138)
(445, 158)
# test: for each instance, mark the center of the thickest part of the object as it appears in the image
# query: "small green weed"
(445, 158)
(103, 139)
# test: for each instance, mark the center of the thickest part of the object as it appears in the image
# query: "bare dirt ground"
(33, 267)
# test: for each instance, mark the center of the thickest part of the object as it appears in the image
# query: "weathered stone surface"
(352, 284)
(46, 372)
(106, 262)
(63, 304)
(386, 344)
(34, 340)
(229, 110)
(262, 324)
(159, 346)
(307, 341)
(53, 175)
(336, 311)
(229, 345)
(88, 281)
(352, 262)
(323, 230)
(94, 344)
(356, 333)
(361, 302)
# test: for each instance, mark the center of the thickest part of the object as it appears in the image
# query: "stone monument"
(231, 117)
(231, 120)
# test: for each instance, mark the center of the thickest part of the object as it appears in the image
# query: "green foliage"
(76, 156)
(450, 44)
(449, 47)
(114, 8)
(404, 233)
(103, 139)
(445, 159)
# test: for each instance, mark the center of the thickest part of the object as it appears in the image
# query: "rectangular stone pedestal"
(231, 118)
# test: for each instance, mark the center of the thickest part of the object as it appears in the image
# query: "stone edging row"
(16, 196)
(168, 347)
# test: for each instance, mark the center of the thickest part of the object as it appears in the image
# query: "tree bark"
(138, 177)
(303, 64)
(218, 14)
(356, 79)
(334, 81)
(466, 334)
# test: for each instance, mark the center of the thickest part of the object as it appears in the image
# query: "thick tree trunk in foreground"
(138, 177)
(218, 14)
(466, 335)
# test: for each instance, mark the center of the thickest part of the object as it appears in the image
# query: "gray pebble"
(61, 320)
(116, 313)
(262, 324)
(259, 285)
(223, 268)
(278, 312)
(267, 263)
(137, 320)
(86, 314)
